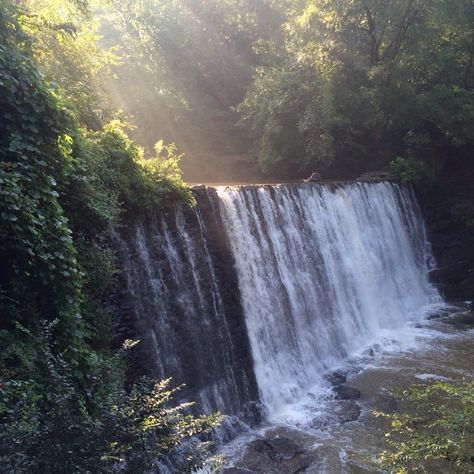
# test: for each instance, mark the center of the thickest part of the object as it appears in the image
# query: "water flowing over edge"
(322, 273)
(254, 294)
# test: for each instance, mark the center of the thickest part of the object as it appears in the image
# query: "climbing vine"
(36, 251)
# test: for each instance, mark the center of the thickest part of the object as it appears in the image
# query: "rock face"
(178, 294)
(347, 410)
(344, 392)
(452, 240)
(272, 456)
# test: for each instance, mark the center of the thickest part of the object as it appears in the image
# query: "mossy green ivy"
(38, 260)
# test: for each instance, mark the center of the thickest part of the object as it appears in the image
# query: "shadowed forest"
(278, 87)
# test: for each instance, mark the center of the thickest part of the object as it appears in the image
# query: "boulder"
(273, 456)
(369, 352)
(347, 410)
(345, 392)
(337, 377)
(462, 317)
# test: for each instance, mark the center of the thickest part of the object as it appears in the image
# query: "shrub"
(437, 425)
(53, 424)
(410, 170)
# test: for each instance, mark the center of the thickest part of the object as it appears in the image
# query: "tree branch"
(374, 44)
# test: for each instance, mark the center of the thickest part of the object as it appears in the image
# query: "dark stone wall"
(140, 316)
(224, 267)
(446, 207)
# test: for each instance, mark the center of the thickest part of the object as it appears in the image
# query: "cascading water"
(187, 320)
(322, 273)
(258, 291)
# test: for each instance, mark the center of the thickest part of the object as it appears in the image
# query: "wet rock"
(385, 402)
(345, 392)
(369, 352)
(462, 317)
(441, 313)
(437, 315)
(337, 377)
(273, 456)
(451, 274)
(347, 410)
(451, 240)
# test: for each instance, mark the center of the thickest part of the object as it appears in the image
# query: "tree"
(287, 108)
(51, 425)
(385, 68)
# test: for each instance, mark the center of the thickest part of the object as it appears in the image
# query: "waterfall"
(323, 272)
(175, 292)
(254, 294)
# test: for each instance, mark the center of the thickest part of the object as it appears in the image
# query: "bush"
(111, 177)
(53, 424)
(410, 170)
(437, 425)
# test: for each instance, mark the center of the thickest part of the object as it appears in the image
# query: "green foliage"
(36, 251)
(437, 425)
(410, 170)
(50, 424)
(287, 108)
(341, 85)
(112, 177)
(62, 38)
(450, 110)
(186, 66)
(64, 402)
(395, 77)
(141, 184)
(51, 171)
